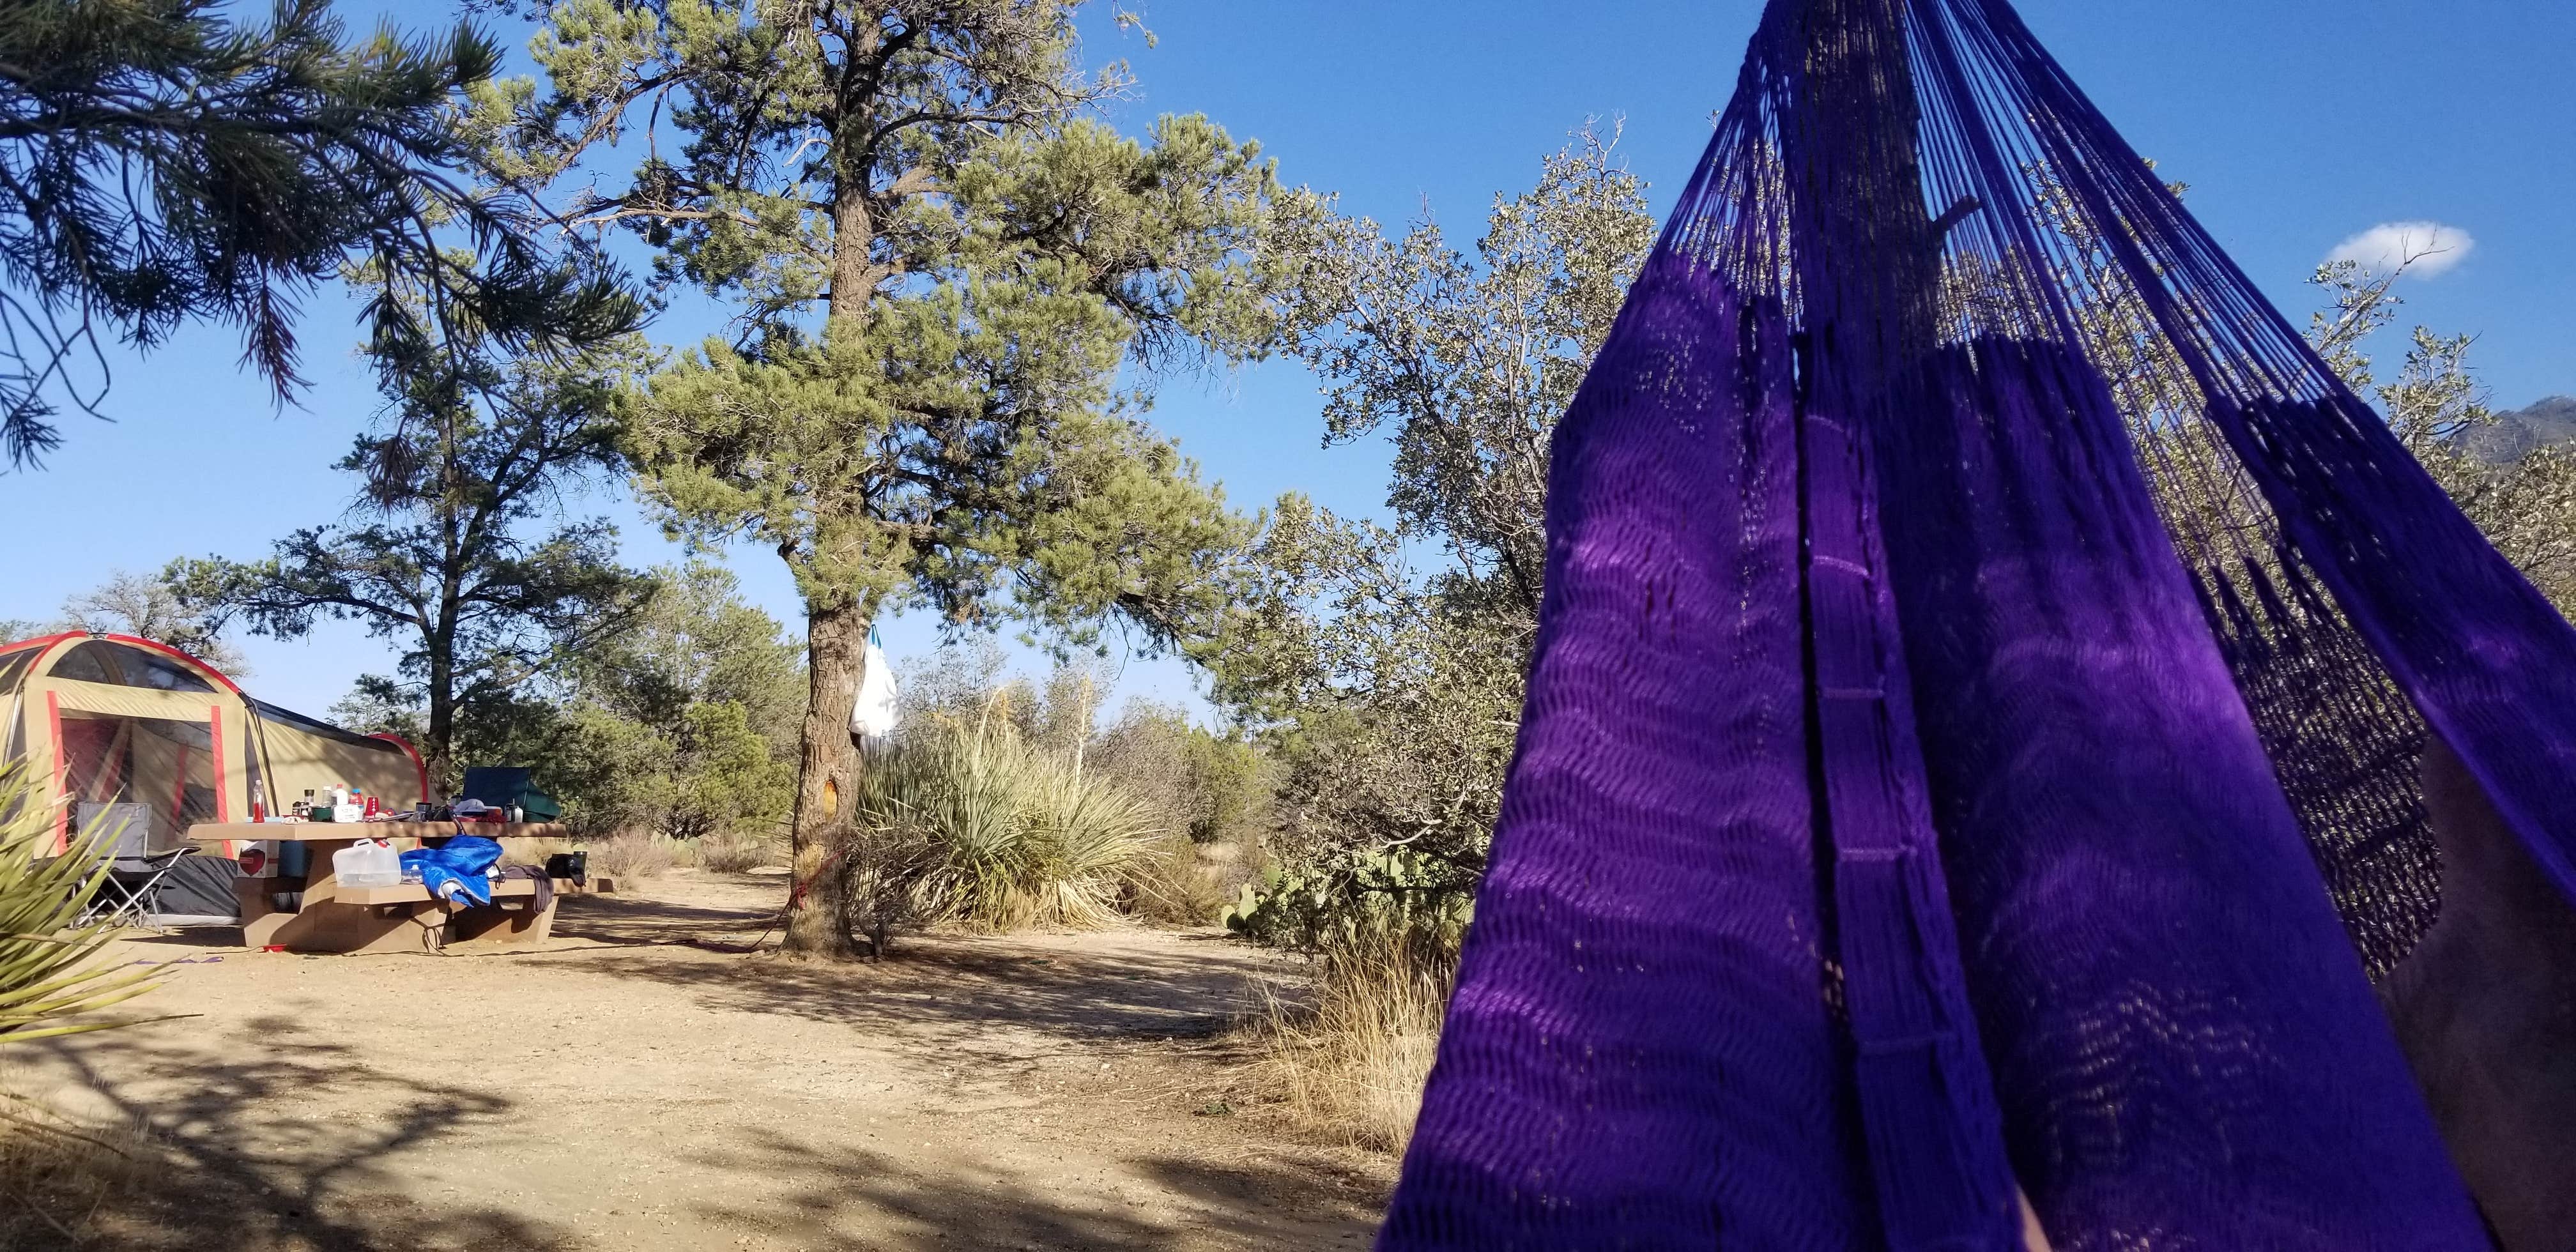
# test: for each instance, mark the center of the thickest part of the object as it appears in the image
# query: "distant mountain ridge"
(2515, 434)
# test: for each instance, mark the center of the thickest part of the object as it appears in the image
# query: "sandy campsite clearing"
(641, 1084)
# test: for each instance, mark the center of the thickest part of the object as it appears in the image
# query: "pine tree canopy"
(161, 162)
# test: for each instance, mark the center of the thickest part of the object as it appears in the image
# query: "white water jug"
(367, 863)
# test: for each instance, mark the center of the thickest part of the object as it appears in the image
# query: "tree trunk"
(438, 756)
(836, 646)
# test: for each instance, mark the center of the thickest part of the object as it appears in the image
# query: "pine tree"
(941, 263)
(444, 552)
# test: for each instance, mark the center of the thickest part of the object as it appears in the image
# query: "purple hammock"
(1973, 737)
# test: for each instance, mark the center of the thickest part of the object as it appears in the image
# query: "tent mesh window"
(14, 667)
(1973, 742)
(124, 665)
(164, 766)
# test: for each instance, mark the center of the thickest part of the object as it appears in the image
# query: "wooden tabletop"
(333, 832)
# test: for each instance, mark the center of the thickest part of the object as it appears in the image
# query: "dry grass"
(1350, 1064)
(58, 1176)
(634, 855)
(736, 853)
(535, 852)
(1174, 882)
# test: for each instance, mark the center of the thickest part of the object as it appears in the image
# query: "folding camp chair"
(133, 882)
(134, 872)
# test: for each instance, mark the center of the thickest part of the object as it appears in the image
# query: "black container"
(572, 865)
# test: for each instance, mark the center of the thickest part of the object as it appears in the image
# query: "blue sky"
(2299, 124)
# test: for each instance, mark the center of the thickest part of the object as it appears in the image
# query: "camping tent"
(113, 719)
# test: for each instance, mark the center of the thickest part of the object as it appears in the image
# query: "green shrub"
(1379, 904)
(1175, 883)
(1214, 788)
(1382, 931)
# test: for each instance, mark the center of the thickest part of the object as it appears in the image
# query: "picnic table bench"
(333, 917)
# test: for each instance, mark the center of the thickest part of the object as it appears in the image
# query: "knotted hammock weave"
(1974, 730)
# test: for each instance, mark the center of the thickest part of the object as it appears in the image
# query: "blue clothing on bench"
(462, 860)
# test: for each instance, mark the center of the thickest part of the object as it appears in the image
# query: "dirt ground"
(637, 1084)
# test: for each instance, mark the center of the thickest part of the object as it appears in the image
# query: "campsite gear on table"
(328, 915)
(509, 789)
(1973, 731)
(458, 868)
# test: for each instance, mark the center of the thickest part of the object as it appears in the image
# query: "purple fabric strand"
(1974, 732)
(2489, 662)
(2184, 1039)
(1641, 1052)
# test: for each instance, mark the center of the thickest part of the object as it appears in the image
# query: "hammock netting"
(1973, 738)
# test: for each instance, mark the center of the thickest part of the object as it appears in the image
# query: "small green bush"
(1376, 903)
(1174, 883)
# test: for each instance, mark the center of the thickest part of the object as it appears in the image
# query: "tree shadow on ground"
(230, 1157)
(959, 990)
(952, 988)
(872, 1199)
(627, 920)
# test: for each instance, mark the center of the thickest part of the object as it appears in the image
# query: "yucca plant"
(1083, 832)
(971, 803)
(45, 991)
(971, 824)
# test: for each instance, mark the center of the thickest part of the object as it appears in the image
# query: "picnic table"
(401, 918)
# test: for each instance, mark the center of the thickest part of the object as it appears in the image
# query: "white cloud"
(2433, 248)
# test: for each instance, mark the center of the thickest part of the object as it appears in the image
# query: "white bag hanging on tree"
(872, 719)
